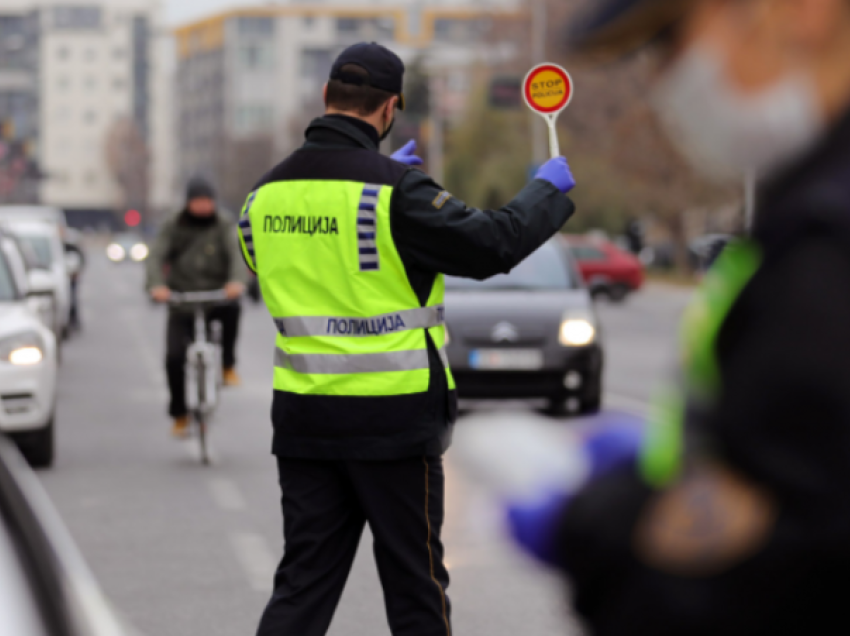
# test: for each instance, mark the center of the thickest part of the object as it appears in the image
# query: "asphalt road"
(186, 550)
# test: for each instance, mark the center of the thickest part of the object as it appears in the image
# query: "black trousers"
(326, 505)
(179, 335)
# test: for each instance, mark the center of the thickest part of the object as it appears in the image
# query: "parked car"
(46, 589)
(127, 247)
(607, 269)
(28, 363)
(44, 213)
(48, 277)
(532, 333)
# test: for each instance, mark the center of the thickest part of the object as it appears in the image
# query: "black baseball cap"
(384, 69)
(618, 27)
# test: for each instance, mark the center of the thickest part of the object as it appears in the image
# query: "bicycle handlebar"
(197, 298)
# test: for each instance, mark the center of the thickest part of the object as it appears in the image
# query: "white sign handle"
(554, 145)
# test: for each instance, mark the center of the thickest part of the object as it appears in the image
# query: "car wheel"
(39, 446)
(560, 406)
(618, 293)
(591, 405)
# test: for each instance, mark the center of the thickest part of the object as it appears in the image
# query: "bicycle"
(203, 363)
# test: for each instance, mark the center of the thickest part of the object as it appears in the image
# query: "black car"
(532, 333)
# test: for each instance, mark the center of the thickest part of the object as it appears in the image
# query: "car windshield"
(40, 247)
(8, 291)
(127, 240)
(546, 269)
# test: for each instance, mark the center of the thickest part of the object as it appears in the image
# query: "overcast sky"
(181, 11)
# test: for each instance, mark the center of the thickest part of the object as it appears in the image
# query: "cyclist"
(196, 250)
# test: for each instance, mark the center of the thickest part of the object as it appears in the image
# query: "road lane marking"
(256, 559)
(144, 347)
(226, 494)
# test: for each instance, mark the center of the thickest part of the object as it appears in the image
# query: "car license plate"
(506, 359)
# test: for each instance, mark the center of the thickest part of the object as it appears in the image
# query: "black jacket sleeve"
(438, 233)
(782, 423)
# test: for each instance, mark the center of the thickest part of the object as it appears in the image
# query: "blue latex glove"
(557, 172)
(405, 154)
(533, 526)
(533, 523)
(614, 442)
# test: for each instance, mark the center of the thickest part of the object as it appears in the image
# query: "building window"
(119, 84)
(90, 83)
(309, 21)
(76, 18)
(63, 83)
(253, 119)
(63, 53)
(366, 28)
(316, 64)
(90, 117)
(90, 55)
(251, 25)
(449, 30)
(257, 56)
(119, 53)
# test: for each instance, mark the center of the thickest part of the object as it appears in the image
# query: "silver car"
(532, 333)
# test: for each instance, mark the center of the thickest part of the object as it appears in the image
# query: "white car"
(28, 363)
(49, 279)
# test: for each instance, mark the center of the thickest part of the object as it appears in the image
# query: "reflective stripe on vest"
(340, 364)
(246, 233)
(332, 326)
(367, 229)
(664, 453)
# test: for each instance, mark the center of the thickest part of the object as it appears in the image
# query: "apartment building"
(88, 85)
(248, 79)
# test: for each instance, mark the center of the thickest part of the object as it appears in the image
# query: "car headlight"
(139, 252)
(115, 252)
(24, 349)
(577, 331)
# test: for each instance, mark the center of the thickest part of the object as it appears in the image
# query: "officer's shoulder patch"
(712, 520)
(442, 199)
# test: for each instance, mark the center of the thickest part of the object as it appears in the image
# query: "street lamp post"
(538, 38)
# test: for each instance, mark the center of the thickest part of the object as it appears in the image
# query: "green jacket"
(191, 257)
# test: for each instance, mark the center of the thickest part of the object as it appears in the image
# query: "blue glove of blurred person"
(534, 525)
(557, 172)
(533, 522)
(405, 154)
(617, 439)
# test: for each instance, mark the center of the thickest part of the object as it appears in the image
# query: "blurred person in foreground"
(350, 247)
(731, 514)
(196, 250)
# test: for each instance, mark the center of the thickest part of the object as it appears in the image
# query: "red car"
(607, 269)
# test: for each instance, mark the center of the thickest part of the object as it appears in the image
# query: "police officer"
(734, 517)
(350, 248)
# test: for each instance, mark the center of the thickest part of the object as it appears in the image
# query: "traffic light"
(506, 92)
(132, 218)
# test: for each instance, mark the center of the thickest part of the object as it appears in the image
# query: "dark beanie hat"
(199, 188)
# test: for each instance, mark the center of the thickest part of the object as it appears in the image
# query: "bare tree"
(128, 158)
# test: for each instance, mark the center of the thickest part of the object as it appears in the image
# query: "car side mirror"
(39, 282)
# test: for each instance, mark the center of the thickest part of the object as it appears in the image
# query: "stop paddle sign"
(548, 90)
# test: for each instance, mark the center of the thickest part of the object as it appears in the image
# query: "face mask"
(725, 134)
(387, 132)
